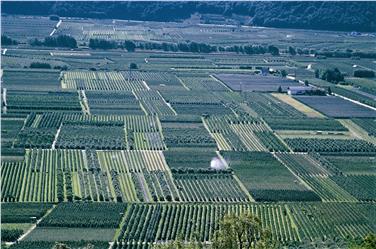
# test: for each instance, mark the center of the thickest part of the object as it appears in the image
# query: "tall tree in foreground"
(242, 231)
(368, 242)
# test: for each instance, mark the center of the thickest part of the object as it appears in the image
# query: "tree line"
(58, 41)
(5, 40)
(193, 47)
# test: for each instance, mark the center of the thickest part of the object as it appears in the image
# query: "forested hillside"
(345, 16)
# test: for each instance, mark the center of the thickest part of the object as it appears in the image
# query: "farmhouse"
(299, 90)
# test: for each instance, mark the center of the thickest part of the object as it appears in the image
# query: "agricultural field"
(209, 187)
(243, 134)
(368, 124)
(99, 135)
(10, 128)
(38, 101)
(317, 175)
(166, 222)
(31, 79)
(266, 105)
(184, 134)
(117, 103)
(252, 168)
(309, 124)
(154, 104)
(100, 81)
(128, 148)
(181, 158)
(354, 165)
(337, 107)
(27, 27)
(328, 145)
(244, 82)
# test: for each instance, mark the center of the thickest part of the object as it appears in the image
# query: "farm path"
(35, 225)
(354, 101)
(85, 102)
(298, 105)
(56, 136)
(220, 82)
(357, 131)
(5, 100)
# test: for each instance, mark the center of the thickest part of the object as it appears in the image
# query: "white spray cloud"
(217, 164)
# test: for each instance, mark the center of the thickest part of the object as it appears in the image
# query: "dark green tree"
(133, 66)
(317, 73)
(292, 51)
(242, 231)
(368, 242)
(5, 40)
(283, 73)
(273, 50)
(129, 46)
(332, 75)
(279, 89)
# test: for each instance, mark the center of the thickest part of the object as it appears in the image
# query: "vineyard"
(84, 215)
(319, 124)
(242, 134)
(101, 81)
(26, 102)
(340, 146)
(145, 133)
(209, 187)
(367, 124)
(337, 107)
(353, 165)
(166, 222)
(92, 134)
(266, 105)
(154, 103)
(252, 168)
(118, 103)
(258, 83)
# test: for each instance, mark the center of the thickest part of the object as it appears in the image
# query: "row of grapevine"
(149, 223)
(104, 81)
(326, 220)
(327, 189)
(157, 107)
(209, 187)
(153, 103)
(329, 145)
(303, 164)
(234, 133)
(266, 105)
(270, 141)
(38, 101)
(203, 83)
(108, 102)
(145, 171)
